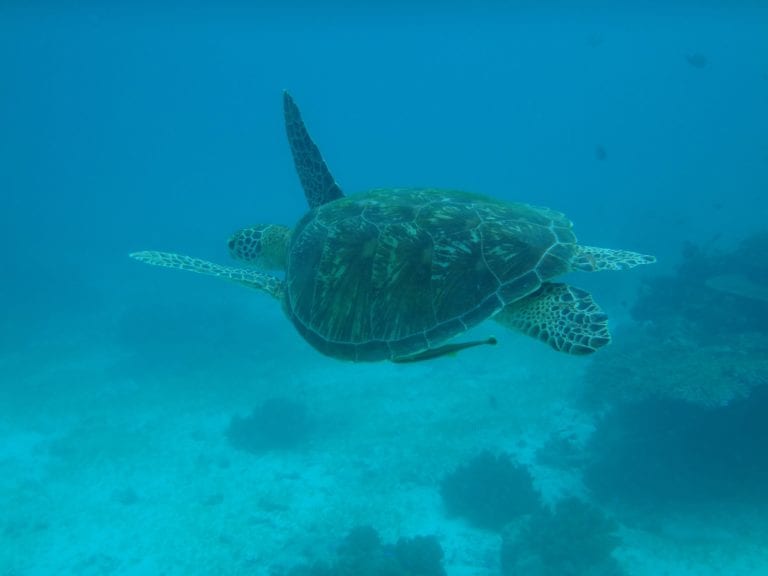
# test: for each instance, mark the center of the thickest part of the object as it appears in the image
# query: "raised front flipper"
(251, 278)
(317, 181)
(564, 317)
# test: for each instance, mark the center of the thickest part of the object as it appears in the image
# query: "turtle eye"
(231, 244)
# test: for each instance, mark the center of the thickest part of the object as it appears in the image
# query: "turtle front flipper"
(317, 181)
(564, 317)
(593, 259)
(272, 285)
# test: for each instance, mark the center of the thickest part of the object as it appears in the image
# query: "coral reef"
(576, 539)
(714, 293)
(700, 335)
(490, 491)
(658, 452)
(420, 555)
(362, 553)
(277, 424)
(658, 361)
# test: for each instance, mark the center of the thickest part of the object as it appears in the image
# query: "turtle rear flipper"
(272, 285)
(593, 259)
(564, 317)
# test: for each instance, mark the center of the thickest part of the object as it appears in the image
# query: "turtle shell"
(389, 273)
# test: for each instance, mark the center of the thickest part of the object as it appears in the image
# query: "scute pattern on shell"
(391, 272)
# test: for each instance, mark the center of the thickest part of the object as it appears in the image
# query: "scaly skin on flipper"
(593, 259)
(564, 317)
(316, 180)
(251, 278)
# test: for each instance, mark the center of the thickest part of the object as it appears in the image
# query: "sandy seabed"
(114, 467)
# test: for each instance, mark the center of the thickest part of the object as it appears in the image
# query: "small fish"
(697, 60)
(600, 152)
(445, 349)
(595, 39)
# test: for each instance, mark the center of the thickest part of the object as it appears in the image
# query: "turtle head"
(263, 245)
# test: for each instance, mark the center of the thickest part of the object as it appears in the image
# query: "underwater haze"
(159, 422)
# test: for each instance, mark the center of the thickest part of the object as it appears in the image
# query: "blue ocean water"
(155, 422)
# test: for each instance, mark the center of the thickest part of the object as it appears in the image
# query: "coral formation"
(277, 424)
(659, 452)
(714, 293)
(420, 555)
(701, 334)
(490, 491)
(576, 539)
(657, 361)
(362, 553)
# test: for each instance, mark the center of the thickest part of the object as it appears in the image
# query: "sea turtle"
(393, 274)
